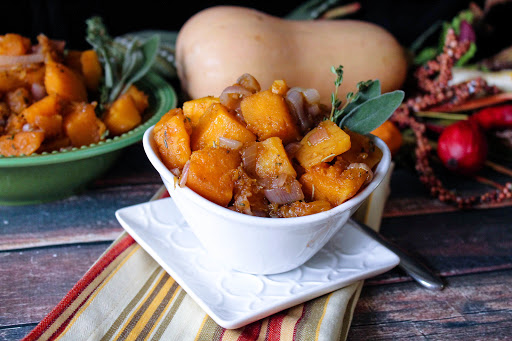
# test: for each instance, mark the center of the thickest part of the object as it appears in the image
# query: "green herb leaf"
(123, 65)
(371, 114)
(467, 56)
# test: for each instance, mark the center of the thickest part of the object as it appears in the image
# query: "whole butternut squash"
(215, 46)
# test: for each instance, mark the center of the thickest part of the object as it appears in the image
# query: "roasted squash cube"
(81, 125)
(122, 116)
(279, 87)
(172, 136)
(267, 115)
(139, 97)
(91, 69)
(45, 114)
(13, 44)
(272, 159)
(22, 143)
(362, 149)
(322, 144)
(194, 109)
(62, 81)
(211, 174)
(218, 122)
(332, 183)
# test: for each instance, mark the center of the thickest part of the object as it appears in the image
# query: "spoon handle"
(418, 271)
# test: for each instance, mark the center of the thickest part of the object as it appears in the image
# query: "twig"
(498, 168)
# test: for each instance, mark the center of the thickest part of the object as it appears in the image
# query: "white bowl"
(260, 245)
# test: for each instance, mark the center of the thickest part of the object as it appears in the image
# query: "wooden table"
(45, 249)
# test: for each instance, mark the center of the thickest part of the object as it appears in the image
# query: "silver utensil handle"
(418, 271)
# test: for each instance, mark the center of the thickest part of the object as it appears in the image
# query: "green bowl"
(50, 176)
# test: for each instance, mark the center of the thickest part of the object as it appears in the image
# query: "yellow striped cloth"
(126, 295)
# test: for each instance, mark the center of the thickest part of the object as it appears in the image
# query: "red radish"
(462, 147)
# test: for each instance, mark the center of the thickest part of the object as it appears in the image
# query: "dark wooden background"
(45, 249)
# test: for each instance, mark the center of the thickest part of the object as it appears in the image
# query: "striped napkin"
(126, 295)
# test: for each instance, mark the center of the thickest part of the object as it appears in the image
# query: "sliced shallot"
(229, 143)
(318, 135)
(38, 91)
(249, 82)
(21, 60)
(292, 148)
(232, 95)
(295, 101)
(364, 166)
(184, 174)
(286, 194)
(249, 156)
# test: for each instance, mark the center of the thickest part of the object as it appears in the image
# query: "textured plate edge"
(240, 322)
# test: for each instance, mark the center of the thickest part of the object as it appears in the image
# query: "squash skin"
(215, 46)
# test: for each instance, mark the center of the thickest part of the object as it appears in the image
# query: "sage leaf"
(369, 115)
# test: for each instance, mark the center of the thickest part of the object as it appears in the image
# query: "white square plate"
(234, 299)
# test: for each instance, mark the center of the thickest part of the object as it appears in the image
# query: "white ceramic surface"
(234, 299)
(254, 244)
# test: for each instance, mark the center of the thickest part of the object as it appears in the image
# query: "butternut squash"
(22, 143)
(172, 136)
(62, 81)
(13, 44)
(272, 159)
(194, 109)
(267, 115)
(45, 114)
(218, 122)
(217, 45)
(211, 174)
(122, 115)
(82, 126)
(322, 144)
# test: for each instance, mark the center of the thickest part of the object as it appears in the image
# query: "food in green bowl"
(53, 175)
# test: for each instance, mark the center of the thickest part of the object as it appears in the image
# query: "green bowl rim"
(162, 91)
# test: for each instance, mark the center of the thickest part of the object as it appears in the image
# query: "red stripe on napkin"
(78, 288)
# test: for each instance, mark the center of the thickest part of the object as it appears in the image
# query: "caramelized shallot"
(364, 166)
(232, 95)
(21, 60)
(285, 194)
(184, 174)
(249, 82)
(229, 143)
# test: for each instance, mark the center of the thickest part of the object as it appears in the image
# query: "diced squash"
(362, 149)
(272, 159)
(122, 116)
(14, 78)
(45, 114)
(61, 81)
(194, 109)
(13, 44)
(267, 115)
(139, 98)
(72, 60)
(22, 143)
(322, 144)
(302, 208)
(172, 137)
(81, 125)
(332, 183)
(91, 69)
(217, 122)
(15, 123)
(211, 174)
(18, 100)
(279, 87)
